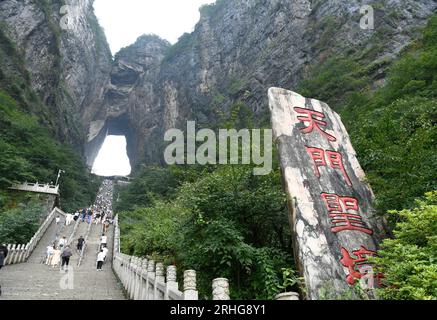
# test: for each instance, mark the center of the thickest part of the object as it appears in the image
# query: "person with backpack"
(80, 243)
(76, 216)
(66, 255)
(84, 212)
(90, 216)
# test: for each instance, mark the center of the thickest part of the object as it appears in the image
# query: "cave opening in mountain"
(112, 159)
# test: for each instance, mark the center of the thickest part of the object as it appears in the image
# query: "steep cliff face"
(64, 58)
(132, 105)
(237, 51)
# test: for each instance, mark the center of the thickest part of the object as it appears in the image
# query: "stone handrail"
(19, 253)
(76, 225)
(85, 244)
(144, 279)
(36, 187)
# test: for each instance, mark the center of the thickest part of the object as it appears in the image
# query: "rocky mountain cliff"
(58, 50)
(238, 49)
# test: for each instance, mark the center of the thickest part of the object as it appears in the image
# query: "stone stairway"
(36, 281)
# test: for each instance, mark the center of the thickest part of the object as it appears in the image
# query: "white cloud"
(125, 20)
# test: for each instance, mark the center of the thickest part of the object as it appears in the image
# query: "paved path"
(36, 281)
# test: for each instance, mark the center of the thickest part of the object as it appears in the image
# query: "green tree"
(409, 260)
(17, 226)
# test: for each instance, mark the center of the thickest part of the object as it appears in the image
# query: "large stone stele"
(330, 208)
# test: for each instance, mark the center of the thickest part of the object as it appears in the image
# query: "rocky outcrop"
(132, 105)
(67, 59)
(237, 51)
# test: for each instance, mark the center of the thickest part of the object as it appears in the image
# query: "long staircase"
(34, 280)
(123, 276)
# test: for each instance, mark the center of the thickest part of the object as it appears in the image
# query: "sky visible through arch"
(125, 20)
(112, 159)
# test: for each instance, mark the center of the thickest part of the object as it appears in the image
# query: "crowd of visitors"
(58, 254)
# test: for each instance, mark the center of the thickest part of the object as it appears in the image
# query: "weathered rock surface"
(67, 67)
(335, 228)
(237, 51)
(131, 101)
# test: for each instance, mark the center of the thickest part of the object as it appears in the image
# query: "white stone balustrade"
(36, 187)
(19, 253)
(145, 279)
(220, 289)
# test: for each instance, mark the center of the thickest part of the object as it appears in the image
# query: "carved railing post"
(144, 279)
(139, 277)
(150, 279)
(137, 287)
(171, 280)
(190, 292)
(220, 289)
(12, 254)
(8, 258)
(133, 277)
(122, 268)
(22, 253)
(126, 271)
(159, 277)
(129, 282)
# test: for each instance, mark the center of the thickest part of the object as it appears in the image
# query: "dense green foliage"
(30, 132)
(235, 219)
(144, 189)
(17, 226)
(393, 129)
(30, 153)
(409, 261)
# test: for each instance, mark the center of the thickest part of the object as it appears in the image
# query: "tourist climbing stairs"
(122, 276)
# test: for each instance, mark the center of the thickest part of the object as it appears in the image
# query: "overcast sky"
(125, 20)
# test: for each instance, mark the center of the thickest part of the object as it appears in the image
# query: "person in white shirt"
(58, 219)
(62, 242)
(100, 259)
(68, 219)
(103, 241)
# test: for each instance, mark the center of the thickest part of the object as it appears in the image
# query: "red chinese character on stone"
(354, 265)
(311, 117)
(335, 160)
(342, 219)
